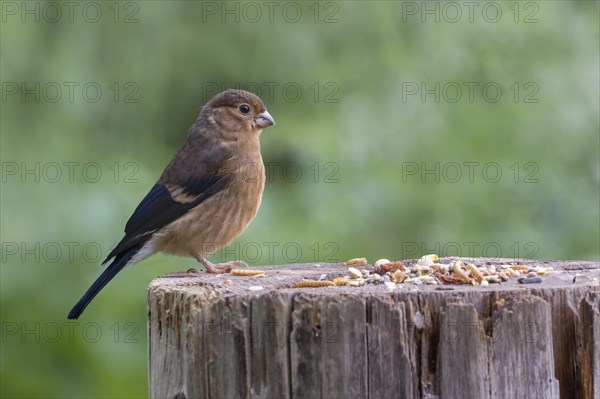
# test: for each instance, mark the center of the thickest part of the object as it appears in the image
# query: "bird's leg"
(220, 267)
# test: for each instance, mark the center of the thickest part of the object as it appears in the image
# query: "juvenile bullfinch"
(206, 196)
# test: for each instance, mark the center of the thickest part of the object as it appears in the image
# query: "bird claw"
(221, 267)
(241, 263)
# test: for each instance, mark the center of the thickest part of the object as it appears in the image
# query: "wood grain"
(213, 339)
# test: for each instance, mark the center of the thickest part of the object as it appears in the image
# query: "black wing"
(159, 208)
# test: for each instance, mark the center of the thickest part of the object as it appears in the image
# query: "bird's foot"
(220, 267)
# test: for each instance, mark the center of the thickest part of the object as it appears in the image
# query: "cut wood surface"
(220, 336)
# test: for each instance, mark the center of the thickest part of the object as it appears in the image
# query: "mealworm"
(520, 267)
(248, 273)
(544, 270)
(511, 272)
(475, 271)
(341, 281)
(313, 284)
(460, 272)
(356, 261)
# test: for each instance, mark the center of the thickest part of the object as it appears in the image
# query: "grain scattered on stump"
(416, 329)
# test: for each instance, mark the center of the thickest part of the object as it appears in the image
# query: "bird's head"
(237, 113)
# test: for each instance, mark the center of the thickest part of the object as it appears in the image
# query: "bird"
(206, 196)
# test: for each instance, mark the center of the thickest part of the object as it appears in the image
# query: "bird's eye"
(244, 108)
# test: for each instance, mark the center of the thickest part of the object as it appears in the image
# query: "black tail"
(111, 271)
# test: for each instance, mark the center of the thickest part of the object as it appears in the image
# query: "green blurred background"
(381, 149)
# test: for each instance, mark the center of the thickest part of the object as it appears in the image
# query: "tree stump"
(214, 338)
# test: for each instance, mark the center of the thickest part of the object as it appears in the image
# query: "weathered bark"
(208, 339)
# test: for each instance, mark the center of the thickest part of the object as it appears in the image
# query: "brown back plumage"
(206, 196)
